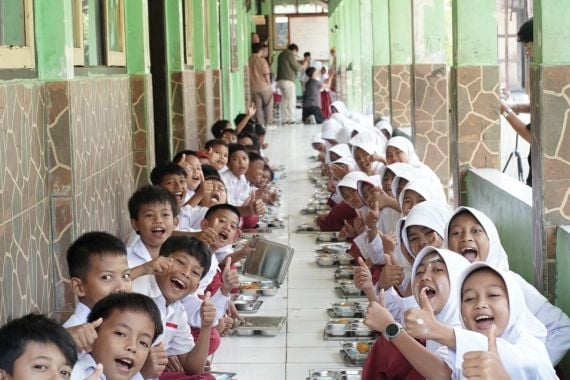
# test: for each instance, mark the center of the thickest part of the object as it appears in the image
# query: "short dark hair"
(189, 245)
(209, 171)
(151, 195)
(256, 47)
(233, 148)
(88, 245)
(254, 156)
(222, 206)
(229, 130)
(252, 136)
(159, 172)
(310, 70)
(187, 152)
(260, 130)
(122, 301)
(307, 54)
(271, 173)
(17, 333)
(525, 33)
(215, 142)
(293, 47)
(218, 127)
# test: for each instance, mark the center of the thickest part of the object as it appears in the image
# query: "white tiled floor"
(306, 294)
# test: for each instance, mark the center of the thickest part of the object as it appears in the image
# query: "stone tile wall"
(142, 121)
(381, 88)
(401, 95)
(430, 114)
(475, 126)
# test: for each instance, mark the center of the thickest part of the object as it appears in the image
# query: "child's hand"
(174, 364)
(338, 171)
(256, 206)
(379, 158)
(230, 278)
(225, 324)
(373, 216)
(388, 242)
(347, 230)
(485, 365)
(209, 235)
(362, 276)
(155, 362)
(378, 317)
(233, 311)
(392, 275)
(421, 323)
(97, 374)
(206, 187)
(84, 335)
(358, 225)
(251, 110)
(207, 311)
(158, 265)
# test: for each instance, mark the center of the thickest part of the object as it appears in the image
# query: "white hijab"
(330, 128)
(342, 150)
(427, 189)
(431, 214)
(341, 108)
(384, 125)
(372, 136)
(373, 180)
(405, 146)
(497, 256)
(450, 313)
(405, 171)
(348, 161)
(350, 180)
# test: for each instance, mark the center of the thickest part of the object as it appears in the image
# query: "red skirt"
(385, 361)
(326, 101)
(215, 339)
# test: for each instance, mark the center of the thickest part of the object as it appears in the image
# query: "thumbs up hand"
(485, 365)
(97, 374)
(207, 311)
(84, 335)
(377, 316)
(373, 216)
(362, 276)
(421, 323)
(230, 278)
(391, 275)
(209, 235)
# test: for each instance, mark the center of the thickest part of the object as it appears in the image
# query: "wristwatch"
(507, 112)
(392, 330)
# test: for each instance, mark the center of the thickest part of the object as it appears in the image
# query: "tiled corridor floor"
(305, 295)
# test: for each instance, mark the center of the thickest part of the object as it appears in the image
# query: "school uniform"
(137, 253)
(431, 214)
(189, 218)
(553, 318)
(177, 338)
(237, 188)
(521, 346)
(79, 316)
(86, 365)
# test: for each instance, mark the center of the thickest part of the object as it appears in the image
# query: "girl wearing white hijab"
(400, 149)
(372, 136)
(473, 235)
(419, 190)
(499, 333)
(434, 282)
(425, 225)
(348, 130)
(329, 129)
(348, 164)
(385, 127)
(340, 150)
(364, 156)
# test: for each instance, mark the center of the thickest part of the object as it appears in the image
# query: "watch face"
(392, 329)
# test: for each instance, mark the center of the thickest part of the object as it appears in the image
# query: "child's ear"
(204, 224)
(76, 287)
(175, 222)
(135, 224)
(3, 375)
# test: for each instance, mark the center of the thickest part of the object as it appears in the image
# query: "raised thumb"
(207, 296)
(424, 301)
(387, 259)
(493, 339)
(228, 264)
(361, 262)
(96, 323)
(97, 374)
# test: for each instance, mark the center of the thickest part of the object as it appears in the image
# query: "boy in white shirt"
(237, 186)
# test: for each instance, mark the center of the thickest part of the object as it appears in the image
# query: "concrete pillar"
(475, 127)
(550, 105)
(430, 127)
(400, 13)
(381, 57)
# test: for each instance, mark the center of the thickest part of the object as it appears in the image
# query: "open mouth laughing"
(430, 292)
(158, 232)
(178, 284)
(484, 321)
(470, 253)
(223, 236)
(125, 364)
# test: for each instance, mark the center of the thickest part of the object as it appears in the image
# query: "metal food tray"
(330, 237)
(256, 306)
(222, 375)
(307, 229)
(341, 294)
(335, 374)
(349, 361)
(356, 313)
(349, 335)
(262, 323)
(344, 272)
(265, 287)
(336, 261)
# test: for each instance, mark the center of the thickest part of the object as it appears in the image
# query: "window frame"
(78, 33)
(115, 57)
(188, 34)
(21, 57)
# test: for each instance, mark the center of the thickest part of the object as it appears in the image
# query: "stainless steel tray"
(349, 332)
(254, 309)
(341, 294)
(222, 375)
(335, 374)
(330, 237)
(349, 361)
(269, 261)
(263, 325)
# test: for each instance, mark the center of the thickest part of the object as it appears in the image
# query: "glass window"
(16, 34)
(115, 33)
(188, 35)
(77, 14)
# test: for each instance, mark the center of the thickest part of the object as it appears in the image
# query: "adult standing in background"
(287, 69)
(260, 85)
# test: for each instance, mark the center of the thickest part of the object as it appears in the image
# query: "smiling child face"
(432, 277)
(123, 343)
(176, 185)
(467, 237)
(155, 223)
(227, 227)
(218, 156)
(485, 302)
(181, 279)
(39, 361)
(422, 236)
(239, 163)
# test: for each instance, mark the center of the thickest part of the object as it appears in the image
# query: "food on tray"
(253, 285)
(363, 347)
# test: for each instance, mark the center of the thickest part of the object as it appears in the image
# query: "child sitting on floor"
(217, 153)
(237, 186)
(131, 324)
(35, 347)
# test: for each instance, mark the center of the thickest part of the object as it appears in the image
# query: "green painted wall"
(136, 33)
(551, 20)
(474, 32)
(54, 40)
(400, 32)
(198, 36)
(562, 278)
(381, 32)
(429, 31)
(366, 54)
(213, 35)
(508, 203)
(355, 33)
(174, 35)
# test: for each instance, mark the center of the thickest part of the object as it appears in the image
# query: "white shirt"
(238, 188)
(137, 253)
(373, 250)
(85, 366)
(189, 218)
(177, 337)
(79, 316)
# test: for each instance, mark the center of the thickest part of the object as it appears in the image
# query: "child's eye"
(41, 367)
(106, 277)
(127, 276)
(419, 272)
(120, 333)
(468, 299)
(144, 344)
(65, 373)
